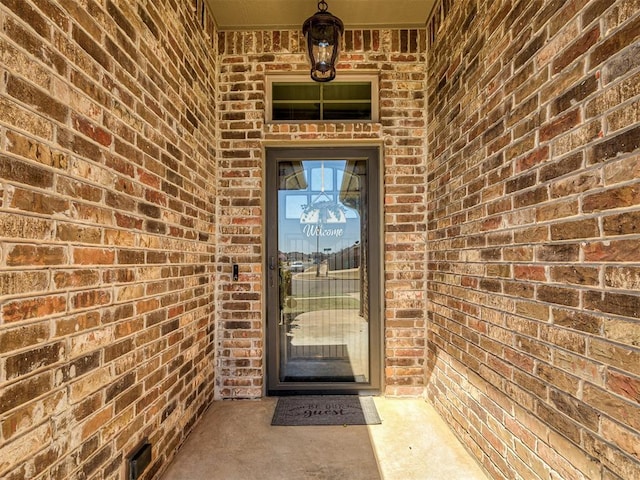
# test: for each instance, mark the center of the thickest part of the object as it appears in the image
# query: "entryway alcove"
(135, 244)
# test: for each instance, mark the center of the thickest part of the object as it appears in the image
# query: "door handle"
(272, 267)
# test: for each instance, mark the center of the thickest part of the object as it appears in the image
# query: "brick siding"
(132, 140)
(534, 257)
(107, 158)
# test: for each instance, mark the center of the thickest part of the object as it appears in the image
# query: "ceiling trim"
(258, 15)
(266, 27)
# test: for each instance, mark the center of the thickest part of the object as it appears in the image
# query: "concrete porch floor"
(235, 441)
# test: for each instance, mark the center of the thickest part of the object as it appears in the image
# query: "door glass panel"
(323, 323)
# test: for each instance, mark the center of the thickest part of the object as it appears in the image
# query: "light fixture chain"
(322, 6)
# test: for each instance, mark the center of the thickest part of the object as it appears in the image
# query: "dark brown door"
(323, 270)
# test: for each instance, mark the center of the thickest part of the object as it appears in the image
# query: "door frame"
(375, 166)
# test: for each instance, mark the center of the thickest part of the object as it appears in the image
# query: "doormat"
(326, 410)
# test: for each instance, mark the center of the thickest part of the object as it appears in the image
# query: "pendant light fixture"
(323, 32)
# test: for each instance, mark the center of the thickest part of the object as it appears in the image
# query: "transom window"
(298, 99)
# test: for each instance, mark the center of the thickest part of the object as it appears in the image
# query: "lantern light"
(323, 32)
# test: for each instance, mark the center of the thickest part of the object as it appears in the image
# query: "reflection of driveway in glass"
(339, 282)
(328, 328)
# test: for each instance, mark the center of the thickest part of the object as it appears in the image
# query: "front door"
(323, 270)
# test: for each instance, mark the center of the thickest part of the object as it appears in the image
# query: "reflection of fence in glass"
(345, 259)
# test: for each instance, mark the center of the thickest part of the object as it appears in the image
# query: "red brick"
(93, 298)
(612, 251)
(558, 247)
(30, 255)
(92, 131)
(616, 42)
(578, 48)
(33, 308)
(563, 124)
(532, 273)
(534, 158)
(626, 196)
(93, 256)
(624, 385)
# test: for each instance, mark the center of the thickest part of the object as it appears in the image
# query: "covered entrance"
(324, 276)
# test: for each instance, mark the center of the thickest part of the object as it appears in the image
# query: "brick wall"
(245, 59)
(131, 170)
(534, 247)
(107, 175)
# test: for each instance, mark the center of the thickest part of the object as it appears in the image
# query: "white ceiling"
(291, 14)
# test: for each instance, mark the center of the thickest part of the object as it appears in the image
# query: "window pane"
(296, 91)
(347, 91)
(296, 111)
(347, 111)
